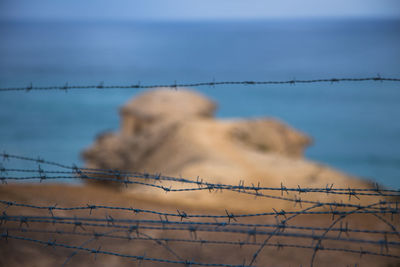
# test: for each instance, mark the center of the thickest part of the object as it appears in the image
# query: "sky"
(194, 9)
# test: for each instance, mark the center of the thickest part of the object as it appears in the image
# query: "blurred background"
(354, 125)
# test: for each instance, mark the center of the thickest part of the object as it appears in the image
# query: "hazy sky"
(195, 9)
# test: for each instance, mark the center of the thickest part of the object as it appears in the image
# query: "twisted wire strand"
(101, 85)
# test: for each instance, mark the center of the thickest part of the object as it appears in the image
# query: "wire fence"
(176, 85)
(359, 223)
(189, 238)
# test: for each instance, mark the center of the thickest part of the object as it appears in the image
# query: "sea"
(355, 125)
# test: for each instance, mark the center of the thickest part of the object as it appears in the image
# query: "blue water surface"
(354, 125)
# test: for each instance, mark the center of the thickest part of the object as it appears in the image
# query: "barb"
(214, 83)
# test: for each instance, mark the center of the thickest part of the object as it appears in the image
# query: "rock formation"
(174, 132)
(164, 122)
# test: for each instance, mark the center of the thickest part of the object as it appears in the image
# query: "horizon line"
(196, 20)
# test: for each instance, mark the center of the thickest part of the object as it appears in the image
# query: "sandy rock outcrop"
(174, 132)
(182, 122)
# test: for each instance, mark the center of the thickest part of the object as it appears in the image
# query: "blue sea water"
(355, 126)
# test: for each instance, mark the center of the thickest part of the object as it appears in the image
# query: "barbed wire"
(219, 188)
(25, 220)
(83, 244)
(112, 223)
(204, 186)
(98, 251)
(385, 207)
(122, 176)
(214, 83)
(228, 216)
(80, 222)
(137, 226)
(239, 243)
(323, 236)
(224, 227)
